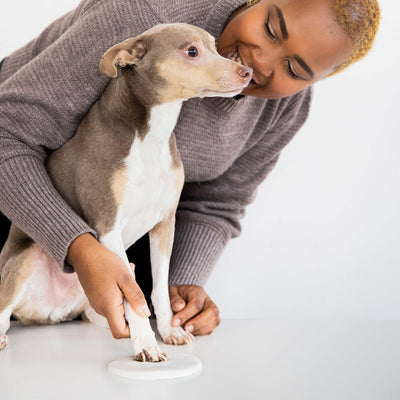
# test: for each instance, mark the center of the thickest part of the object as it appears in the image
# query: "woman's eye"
(192, 52)
(289, 69)
(270, 31)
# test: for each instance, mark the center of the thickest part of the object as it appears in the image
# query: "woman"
(228, 146)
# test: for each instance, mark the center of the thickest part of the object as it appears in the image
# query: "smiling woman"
(293, 44)
(228, 146)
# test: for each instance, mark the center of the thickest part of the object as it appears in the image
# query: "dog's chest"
(151, 184)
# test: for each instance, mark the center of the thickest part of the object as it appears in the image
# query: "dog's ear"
(128, 52)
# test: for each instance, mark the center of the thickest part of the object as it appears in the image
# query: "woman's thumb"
(132, 265)
(177, 302)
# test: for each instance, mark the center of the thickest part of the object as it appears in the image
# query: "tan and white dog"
(123, 175)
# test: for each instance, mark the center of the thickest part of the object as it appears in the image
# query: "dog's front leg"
(145, 347)
(161, 241)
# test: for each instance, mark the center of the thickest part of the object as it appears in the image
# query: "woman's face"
(290, 44)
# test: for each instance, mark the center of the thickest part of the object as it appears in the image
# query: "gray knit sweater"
(228, 146)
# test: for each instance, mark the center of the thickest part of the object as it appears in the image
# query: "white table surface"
(242, 359)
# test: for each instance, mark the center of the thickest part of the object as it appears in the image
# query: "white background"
(321, 239)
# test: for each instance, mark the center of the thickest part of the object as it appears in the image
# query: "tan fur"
(179, 181)
(17, 242)
(177, 166)
(18, 288)
(178, 184)
(118, 183)
(16, 271)
(173, 150)
(164, 231)
(212, 73)
(129, 52)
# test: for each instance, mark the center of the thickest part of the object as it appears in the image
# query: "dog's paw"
(146, 349)
(3, 341)
(150, 356)
(176, 336)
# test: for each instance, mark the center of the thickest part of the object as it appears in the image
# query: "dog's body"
(122, 173)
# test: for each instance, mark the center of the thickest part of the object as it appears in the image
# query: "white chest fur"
(150, 191)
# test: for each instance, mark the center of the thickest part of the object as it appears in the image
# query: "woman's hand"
(194, 310)
(106, 282)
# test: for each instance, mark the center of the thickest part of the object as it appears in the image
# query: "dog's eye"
(192, 52)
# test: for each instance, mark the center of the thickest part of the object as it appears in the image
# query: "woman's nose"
(264, 62)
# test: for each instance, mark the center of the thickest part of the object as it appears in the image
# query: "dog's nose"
(246, 73)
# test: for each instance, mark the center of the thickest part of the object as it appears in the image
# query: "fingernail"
(189, 328)
(178, 306)
(177, 322)
(146, 310)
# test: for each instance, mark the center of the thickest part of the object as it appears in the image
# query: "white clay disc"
(177, 366)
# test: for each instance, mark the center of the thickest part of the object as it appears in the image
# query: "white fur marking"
(6, 313)
(150, 188)
(149, 195)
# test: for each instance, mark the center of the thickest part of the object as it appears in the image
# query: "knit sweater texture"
(228, 146)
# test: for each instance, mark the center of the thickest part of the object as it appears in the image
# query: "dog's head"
(179, 61)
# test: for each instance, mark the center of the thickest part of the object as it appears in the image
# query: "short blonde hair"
(360, 20)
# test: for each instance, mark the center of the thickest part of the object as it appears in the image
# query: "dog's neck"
(140, 112)
(124, 105)
(162, 122)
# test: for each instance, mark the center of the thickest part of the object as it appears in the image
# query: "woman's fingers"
(199, 315)
(177, 302)
(206, 321)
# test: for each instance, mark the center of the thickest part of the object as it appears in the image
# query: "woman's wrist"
(80, 248)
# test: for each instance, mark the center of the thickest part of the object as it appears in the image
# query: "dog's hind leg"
(161, 241)
(14, 275)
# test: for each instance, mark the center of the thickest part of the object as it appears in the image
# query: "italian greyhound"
(122, 173)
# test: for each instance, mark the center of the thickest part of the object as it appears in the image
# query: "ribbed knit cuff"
(29, 199)
(197, 247)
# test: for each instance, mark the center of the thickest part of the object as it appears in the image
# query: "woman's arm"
(41, 106)
(209, 214)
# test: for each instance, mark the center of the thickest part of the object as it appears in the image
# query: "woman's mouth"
(236, 57)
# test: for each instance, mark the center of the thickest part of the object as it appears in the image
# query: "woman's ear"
(128, 52)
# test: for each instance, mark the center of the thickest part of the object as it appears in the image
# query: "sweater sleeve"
(209, 212)
(41, 106)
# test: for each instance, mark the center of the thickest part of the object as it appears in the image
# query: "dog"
(122, 173)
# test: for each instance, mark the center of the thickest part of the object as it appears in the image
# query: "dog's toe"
(146, 349)
(3, 341)
(171, 340)
(177, 336)
(150, 356)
